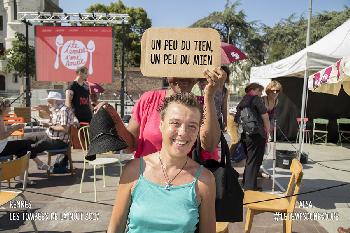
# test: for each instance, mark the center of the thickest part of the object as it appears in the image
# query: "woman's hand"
(97, 107)
(216, 79)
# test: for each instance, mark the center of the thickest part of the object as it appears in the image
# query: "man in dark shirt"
(78, 96)
(254, 143)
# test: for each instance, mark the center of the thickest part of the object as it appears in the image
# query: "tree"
(288, 36)
(234, 29)
(16, 57)
(131, 33)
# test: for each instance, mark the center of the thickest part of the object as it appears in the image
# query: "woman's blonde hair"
(273, 85)
(3, 103)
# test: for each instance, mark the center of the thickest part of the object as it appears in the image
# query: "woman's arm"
(121, 207)
(207, 190)
(224, 109)
(210, 128)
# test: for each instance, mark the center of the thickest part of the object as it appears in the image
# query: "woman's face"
(273, 92)
(179, 129)
(256, 91)
(182, 85)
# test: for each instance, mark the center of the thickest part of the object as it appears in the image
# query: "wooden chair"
(9, 170)
(284, 205)
(319, 131)
(306, 132)
(84, 139)
(222, 227)
(11, 120)
(65, 150)
(344, 133)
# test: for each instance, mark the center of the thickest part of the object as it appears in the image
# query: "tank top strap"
(141, 166)
(198, 173)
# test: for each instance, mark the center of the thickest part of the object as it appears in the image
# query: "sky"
(183, 13)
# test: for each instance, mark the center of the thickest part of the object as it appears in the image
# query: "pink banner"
(60, 51)
(329, 74)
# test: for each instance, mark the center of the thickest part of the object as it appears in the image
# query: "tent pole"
(303, 103)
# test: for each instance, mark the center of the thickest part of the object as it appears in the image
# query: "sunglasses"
(275, 91)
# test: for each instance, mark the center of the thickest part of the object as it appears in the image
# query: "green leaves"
(131, 33)
(16, 57)
(288, 36)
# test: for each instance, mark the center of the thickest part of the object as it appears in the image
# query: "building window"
(2, 83)
(14, 9)
(1, 23)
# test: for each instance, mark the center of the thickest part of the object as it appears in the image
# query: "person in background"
(9, 148)
(143, 135)
(167, 191)
(254, 143)
(272, 91)
(56, 135)
(221, 98)
(13, 147)
(94, 99)
(78, 96)
(271, 99)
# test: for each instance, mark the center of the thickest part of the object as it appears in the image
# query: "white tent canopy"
(322, 53)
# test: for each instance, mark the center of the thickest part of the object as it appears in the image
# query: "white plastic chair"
(84, 139)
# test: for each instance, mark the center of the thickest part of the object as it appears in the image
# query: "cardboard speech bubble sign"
(184, 53)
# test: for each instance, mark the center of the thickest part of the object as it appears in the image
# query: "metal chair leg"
(95, 183)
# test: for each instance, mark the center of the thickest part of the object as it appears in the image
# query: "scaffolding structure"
(73, 18)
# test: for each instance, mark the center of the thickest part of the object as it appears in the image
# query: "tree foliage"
(289, 35)
(235, 29)
(131, 33)
(16, 57)
(263, 44)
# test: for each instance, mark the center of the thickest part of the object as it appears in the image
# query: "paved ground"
(59, 196)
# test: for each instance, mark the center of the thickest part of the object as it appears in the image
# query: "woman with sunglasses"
(272, 91)
(270, 99)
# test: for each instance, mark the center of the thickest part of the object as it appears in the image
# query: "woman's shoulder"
(205, 176)
(131, 170)
(151, 97)
(153, 93)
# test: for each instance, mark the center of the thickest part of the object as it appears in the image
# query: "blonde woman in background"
(272, 91)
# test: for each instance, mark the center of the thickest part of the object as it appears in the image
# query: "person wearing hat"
(56, 135)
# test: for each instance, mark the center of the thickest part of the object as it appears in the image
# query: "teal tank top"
(154, 209)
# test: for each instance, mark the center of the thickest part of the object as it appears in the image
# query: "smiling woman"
(156, 188)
